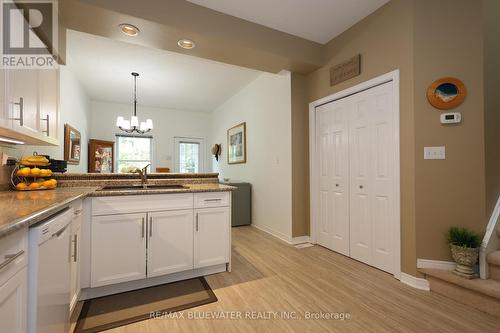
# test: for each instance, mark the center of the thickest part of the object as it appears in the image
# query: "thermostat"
(451, 118)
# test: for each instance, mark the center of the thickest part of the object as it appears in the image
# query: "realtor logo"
(29, 34)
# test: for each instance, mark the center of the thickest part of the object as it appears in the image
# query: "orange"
(35, 172)
(25, 172)
(21, 186)
(34, 186)
(19, 173)
(48, 184)
(54, 182)
(45, 173)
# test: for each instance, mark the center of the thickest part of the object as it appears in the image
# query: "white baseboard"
(436, 264)
(285, 238)
(300, 240)
(415, 282)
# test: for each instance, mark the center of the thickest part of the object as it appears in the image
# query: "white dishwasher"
(49, 274)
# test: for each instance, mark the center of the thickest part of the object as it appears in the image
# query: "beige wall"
(491, 28)
(427, 40)
(449, 192)
(300, 154)
(385, 41)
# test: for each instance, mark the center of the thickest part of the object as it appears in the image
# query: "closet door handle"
(143, 227)
(196, 221)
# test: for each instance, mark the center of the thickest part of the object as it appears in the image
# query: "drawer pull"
(75, 248)
(10, 258)
(212, 200)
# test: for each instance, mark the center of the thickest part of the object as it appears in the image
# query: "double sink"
(141, 187)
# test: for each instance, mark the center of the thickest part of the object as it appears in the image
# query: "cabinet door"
(75, 261)
(211, 240)
(118, 248)
(23, 98)
(13, 303)
(48, 102)
(170, 242)
(4, 109)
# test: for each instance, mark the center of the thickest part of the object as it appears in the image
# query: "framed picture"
(72, 145)
(101, 156)
(446, 93)
(237, 144)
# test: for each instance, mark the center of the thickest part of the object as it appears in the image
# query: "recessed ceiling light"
(186, 44)
(129, 29)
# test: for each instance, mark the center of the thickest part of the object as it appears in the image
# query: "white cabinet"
(75, 258)
(118, 249)
(212, 234)
(13, 282)
(170, 242)
(157, 235)
(23, 98)
(29, 101)
(48, 102)
(13, 299)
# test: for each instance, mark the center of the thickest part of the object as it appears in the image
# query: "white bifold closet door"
(356, 145)
(333, 146)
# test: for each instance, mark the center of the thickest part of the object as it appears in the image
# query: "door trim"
(314, 163)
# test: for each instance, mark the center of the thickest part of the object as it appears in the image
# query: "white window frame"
(183, 139)
(151, 148)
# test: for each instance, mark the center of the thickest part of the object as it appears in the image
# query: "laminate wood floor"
(270, 276)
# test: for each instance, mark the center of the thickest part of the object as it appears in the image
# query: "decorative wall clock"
(446, 93)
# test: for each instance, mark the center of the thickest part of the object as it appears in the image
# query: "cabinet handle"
(21, 111)
(78, 212)
(361, 186)
(143, 227)
(150, 226)
(75, 248)
(10, 258)
(47, 119)
(212, 200)
(196, 221)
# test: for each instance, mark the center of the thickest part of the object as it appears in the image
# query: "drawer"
(211, 199)
(141, 203)
(13, 254)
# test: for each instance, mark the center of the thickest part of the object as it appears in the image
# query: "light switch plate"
(435, 153)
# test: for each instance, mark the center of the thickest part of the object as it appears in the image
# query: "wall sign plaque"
(345, 70)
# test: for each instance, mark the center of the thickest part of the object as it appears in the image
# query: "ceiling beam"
(218, 36)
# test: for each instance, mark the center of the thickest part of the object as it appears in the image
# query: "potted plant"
(464, 244)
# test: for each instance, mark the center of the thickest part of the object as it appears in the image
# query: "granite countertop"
(22, 209)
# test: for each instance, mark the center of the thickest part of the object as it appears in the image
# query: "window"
(188, 155)
(133, 152)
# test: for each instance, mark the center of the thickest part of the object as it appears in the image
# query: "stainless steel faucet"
(144, 175)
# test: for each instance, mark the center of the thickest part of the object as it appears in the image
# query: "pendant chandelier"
(132, 125)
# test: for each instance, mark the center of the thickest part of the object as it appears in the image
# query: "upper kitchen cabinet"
(30, 101)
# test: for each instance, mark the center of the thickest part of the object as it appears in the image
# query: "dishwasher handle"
(59, 233)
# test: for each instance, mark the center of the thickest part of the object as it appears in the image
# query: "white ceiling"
(167, 80)
(316, 20)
